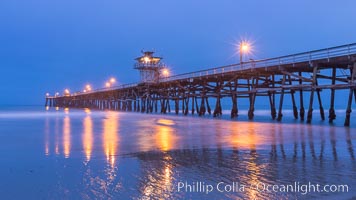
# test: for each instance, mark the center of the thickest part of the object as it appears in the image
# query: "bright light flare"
(146, 59)
(112, 80)
(66, 91)
(165, 72)
(88, 87)
(245, 46)
(47, 94)
(107, 84)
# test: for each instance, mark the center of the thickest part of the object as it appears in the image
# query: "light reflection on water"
(88, 137)
(165, 138)
(111, 136)
(66, 136)
(107, 155)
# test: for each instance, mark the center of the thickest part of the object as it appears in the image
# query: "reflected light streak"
(47, 149)
(87, 110)
(243, 136)
(168, 175)
(253, 177)
(66, 137)
(47, 130)
(88, 137)
(165, 139)
(159, 182)
(110, 136)
(56, 130)
(56, 149)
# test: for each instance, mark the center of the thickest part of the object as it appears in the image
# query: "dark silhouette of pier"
(301, 76)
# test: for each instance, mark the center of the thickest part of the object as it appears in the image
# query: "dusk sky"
(47, 46)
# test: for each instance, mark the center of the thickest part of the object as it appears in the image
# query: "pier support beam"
(233, 91)
(252, 106)
(156, 105)
(138, 109)
(272, 105)
(217, 110)
(135, 105)
(202, 107)
(193, 110)
(143, 104)
(301, 99)
(348, 110)
(332, 114)
(252, 98)
(168, 106)
(207, 105)
(280, 115)
(163, 104)
(295, 109)
(322, 115)
(197, 106)
(272, 99)
(310, 110)
(234, 109)
(186, 102)
(176, 105)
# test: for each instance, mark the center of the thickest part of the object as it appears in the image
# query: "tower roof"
(148, 57)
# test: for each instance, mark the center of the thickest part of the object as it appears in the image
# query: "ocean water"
(86, 154)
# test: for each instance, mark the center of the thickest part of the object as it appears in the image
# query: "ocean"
(89, 154)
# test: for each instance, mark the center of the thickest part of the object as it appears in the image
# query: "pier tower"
(150, 67)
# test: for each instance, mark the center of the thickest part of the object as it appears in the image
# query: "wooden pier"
(301, 76)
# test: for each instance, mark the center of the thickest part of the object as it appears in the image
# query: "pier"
(300, 77)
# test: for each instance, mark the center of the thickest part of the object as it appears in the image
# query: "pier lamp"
(245, 47)
(112, 80)
(66, 92)
(88, 88)
(165, 72)
(107, 84)
(47, 94)
(146, 59)
(57, 94)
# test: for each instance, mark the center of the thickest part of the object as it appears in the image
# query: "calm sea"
(86, 154)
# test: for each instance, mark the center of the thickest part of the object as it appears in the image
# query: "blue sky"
(52, 45)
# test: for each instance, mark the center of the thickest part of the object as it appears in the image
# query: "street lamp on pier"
(107, 84)
(244, 48)
(112, 80)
